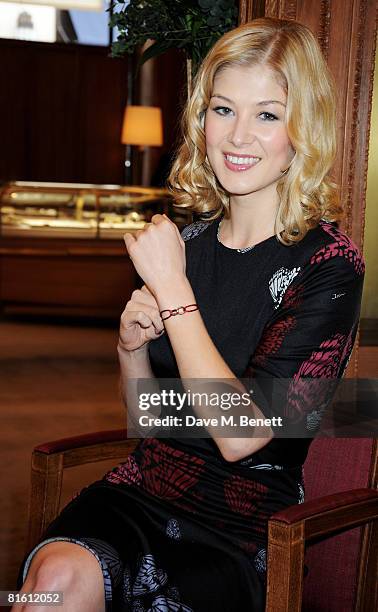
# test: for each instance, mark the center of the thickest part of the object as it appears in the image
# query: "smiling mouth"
(238, 164)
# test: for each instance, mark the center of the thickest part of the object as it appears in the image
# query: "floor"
(59, 380)
(56, 381)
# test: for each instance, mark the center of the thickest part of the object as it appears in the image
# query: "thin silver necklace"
(245, 250)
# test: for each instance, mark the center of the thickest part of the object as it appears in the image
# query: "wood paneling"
(162, 82)
(251, 10)
(61, 111)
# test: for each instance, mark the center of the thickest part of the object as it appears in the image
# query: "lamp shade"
(142, 125)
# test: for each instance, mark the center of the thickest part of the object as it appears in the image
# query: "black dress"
(177, 527)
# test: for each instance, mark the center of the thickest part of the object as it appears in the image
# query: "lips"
(239, 163)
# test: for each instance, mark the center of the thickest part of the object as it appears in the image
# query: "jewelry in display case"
(69, 210)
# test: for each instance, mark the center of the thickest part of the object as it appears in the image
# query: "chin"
(234, 188)
(238, 187)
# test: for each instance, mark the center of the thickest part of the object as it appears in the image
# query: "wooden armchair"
(343, 568)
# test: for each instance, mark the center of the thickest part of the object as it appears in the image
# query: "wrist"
(177, 294)
(135, 354)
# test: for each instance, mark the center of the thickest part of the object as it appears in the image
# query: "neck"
(249, 222)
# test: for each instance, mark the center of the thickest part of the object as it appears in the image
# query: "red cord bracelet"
(180, 310)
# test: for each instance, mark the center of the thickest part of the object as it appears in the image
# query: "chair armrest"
(289, 530)
(86, 448)
(97, 437)
(330, 513)
(51, 458)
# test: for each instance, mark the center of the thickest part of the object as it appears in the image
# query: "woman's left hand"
(158, 254)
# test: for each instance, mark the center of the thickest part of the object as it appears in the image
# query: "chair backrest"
(335, 465)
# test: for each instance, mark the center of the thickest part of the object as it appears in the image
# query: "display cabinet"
(61, 245)
(63, 210)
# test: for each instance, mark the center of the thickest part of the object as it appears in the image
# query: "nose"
(242, 131)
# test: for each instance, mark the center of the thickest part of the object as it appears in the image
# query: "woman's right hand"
(140, 321)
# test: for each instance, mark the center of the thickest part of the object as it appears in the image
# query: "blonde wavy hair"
(306, 190)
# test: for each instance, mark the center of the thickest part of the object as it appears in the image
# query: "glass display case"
(62, 250)
(64, 210)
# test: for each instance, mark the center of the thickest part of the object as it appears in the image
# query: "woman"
(264, 286)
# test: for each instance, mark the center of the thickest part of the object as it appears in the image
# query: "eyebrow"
(261, 103)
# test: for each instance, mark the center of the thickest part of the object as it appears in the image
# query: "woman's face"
(246, 139)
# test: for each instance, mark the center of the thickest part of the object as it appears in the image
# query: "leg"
(67, 567)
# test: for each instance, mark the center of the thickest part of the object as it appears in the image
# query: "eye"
(268, 116)
(222, 110)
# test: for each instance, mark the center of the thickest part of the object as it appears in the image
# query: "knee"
(50, 572)
(70, 568)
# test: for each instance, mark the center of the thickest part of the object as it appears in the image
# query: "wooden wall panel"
(13, 111)
(61, 111)
(103, 87)
(162, 82)
(251, 10)
(52, 142)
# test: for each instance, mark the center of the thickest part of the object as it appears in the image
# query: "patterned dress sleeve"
(192, 230)
(307, 344)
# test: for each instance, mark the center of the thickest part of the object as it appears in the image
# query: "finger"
(145, 289)
(128, 239)
(136, 316)
(150, 291)
(148, 295)
(170, 221)
(156, 219)
(152, 313)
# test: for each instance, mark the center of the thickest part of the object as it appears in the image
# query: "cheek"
(277, 142)
(212, 131)
(209, 139)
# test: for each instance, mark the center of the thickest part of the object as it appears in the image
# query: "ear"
(202, 119)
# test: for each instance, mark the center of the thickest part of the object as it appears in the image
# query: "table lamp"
(142, 127)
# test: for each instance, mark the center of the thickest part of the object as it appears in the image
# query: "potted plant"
(190, 25)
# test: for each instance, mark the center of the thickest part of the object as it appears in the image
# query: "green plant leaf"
(206, 4)
(191, 25)
(157, 48)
